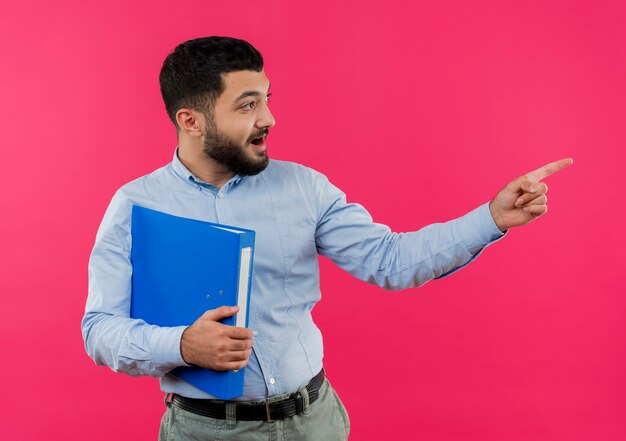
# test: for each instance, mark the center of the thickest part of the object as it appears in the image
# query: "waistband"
(267, 410)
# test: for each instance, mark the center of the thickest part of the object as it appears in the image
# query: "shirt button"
(220, 195)
(272, 381)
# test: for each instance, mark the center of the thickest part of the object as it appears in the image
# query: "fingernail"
(532, 188)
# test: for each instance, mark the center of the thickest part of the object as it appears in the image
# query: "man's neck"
(204, 167)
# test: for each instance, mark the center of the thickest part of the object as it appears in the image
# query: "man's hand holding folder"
(210, 344)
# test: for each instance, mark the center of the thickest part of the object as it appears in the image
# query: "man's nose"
(266, 119)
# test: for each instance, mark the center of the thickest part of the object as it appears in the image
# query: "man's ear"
(190, 122)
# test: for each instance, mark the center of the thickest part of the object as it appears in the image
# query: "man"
(216, 94)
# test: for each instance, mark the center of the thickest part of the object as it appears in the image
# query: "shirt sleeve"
(371, 252)
(111, 337)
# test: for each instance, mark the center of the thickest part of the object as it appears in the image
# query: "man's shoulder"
(152, 181)
(288, 169)
(292, 181)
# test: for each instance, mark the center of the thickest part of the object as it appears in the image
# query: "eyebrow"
(248, 93)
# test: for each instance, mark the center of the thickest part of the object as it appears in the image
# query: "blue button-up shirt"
(297, 214)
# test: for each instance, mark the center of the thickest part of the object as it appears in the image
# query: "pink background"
(420, 111)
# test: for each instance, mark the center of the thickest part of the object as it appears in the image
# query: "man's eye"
(251, 105)
(267, 97)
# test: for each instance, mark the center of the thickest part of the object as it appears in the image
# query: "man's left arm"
(372, 252)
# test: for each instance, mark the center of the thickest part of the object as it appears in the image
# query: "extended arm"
(370, 251)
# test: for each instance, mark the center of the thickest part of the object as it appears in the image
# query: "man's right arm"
(111, 337)
(132, 346)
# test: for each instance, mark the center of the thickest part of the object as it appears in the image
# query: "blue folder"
(184, 267)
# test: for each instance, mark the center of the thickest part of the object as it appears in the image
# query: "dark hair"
(191, 75)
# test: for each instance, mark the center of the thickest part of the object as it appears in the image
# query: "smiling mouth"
(259, 141)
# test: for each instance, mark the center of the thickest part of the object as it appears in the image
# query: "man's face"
(236, 133)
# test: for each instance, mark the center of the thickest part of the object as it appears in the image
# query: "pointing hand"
(524, 199)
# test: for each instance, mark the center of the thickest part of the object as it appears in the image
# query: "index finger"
(548, 169)
(238, 333)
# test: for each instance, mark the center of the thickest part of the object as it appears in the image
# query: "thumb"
(522, 183)
(220, 313)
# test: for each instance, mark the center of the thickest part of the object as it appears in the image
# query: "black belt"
(264, 411)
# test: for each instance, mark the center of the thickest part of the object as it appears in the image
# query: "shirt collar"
(184, 173)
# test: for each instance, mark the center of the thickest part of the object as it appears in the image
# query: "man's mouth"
(259, 141)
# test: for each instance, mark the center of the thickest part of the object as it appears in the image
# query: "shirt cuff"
(491, 230)
(480, 230)
(166, 346)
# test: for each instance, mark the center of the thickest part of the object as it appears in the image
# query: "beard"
(233, 155)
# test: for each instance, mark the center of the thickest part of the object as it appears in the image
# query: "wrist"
(184, 347)
(497, 218)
